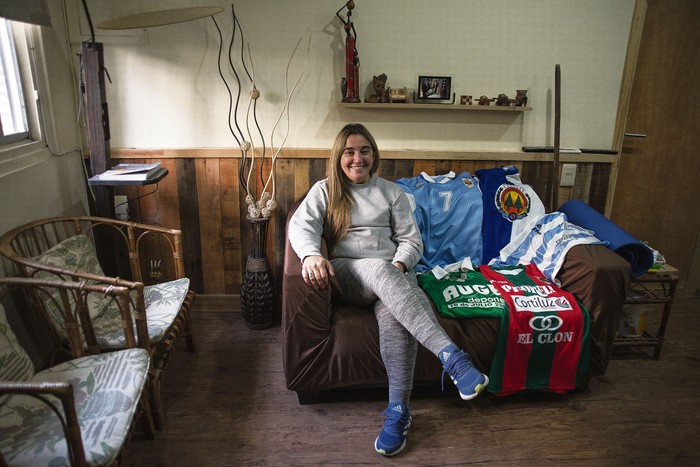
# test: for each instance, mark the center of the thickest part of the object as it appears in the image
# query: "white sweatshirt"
(381, 224)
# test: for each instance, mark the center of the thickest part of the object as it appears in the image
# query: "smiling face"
(357, 158)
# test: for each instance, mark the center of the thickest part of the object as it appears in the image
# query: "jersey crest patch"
(512, 202)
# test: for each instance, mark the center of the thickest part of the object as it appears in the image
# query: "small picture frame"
(437, 88)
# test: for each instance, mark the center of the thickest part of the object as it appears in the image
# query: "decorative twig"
(264, 206)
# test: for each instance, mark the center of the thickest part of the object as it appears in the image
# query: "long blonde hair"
(340, 200)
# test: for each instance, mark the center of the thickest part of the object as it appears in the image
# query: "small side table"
(105, 246)
(158, 176)
(658, 287)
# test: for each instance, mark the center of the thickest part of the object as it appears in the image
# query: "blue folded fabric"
(640, 256)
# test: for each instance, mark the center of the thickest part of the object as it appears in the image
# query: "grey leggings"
(403, 312)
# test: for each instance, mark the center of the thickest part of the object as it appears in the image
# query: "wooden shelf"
(652, 287)
(410, 106)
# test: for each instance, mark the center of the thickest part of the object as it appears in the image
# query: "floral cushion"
(76, 253)
(15, 364)
(163, 302)
(107, 389)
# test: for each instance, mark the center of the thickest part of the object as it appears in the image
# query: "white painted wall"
(45, 181)
(166, 90)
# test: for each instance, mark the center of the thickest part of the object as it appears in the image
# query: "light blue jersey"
(449, 211)
(545, 244)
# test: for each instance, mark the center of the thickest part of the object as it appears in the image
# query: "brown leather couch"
(327, 345)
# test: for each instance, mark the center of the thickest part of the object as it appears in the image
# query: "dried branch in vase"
(265, 205)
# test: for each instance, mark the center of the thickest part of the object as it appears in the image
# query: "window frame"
(30, 149)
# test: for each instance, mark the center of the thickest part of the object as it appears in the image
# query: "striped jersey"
(545, 244)
(449, 211)
(509, 206)
(543, 340)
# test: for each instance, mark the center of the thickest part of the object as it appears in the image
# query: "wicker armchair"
(149, 257)
(60, 414)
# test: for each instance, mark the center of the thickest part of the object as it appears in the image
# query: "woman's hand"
(317, 271)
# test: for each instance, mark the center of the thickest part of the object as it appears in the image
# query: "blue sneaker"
(392, 439)
(469, 381)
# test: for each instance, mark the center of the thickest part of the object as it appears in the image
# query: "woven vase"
(257, 296)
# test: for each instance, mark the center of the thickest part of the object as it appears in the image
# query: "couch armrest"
(306, 317)
(599, 278)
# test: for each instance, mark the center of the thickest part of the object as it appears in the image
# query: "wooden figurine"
(380, 92)
(502, 100)
(483, 100)
(521, 98)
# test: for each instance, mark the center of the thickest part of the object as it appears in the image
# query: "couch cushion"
(107, 389)
(15, 364)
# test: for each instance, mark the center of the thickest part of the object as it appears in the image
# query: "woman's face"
(357, 158)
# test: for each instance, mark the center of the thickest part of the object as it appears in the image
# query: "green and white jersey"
(463, 295)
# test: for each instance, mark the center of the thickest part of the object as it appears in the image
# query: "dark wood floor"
(230, 406)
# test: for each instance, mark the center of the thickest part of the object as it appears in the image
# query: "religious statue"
(352, 59)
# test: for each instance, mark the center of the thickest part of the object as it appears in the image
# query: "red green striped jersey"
(543, 341)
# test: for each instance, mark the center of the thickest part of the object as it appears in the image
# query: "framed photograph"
(437, 88)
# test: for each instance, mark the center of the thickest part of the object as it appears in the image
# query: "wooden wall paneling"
(317, 170)
(442, 167)
(148, 202)
(189, 221)
(168, 196)
(230, 224)
(210, 225)
(600, 181)
(427, 166)
(403, 168)
(386, 169)
(462, 166)
(301, 173)
(394, 169)
(582, 187)
(563, 195)
(286, 194)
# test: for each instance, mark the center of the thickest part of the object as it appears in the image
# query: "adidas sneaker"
(469, 381)
(392, 438)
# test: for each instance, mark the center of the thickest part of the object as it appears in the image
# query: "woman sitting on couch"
(374, 244)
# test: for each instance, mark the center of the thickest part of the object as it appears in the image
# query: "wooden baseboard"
(217, 303)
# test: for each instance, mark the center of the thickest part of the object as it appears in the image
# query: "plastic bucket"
(634, 317)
